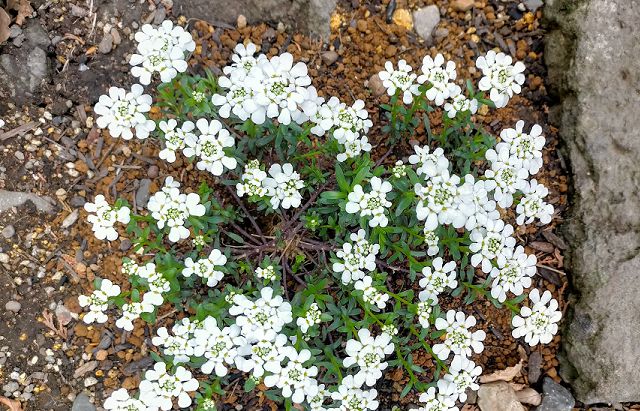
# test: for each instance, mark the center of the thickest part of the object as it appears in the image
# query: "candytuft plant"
(305, 263)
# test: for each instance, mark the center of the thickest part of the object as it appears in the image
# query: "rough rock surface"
(498, 396)
(555, 397)
(594, 70)
(425, 20)
(309, 16)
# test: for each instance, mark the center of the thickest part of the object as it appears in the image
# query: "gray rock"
(555, 397)
(22, 73)
(10, 199)
(142, 195)
(14, 31)
(106, 44)
(70, 219)
(37, 36)
(77, 201)
(309, 16)
(425, 20)
(82, 403)
(596, 40)
(533, 5)
(8, 231)
(13, 306)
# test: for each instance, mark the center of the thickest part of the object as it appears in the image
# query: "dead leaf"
(13, 405)
(507, 374)
(24, 11)
(5, 20)
(529, 396)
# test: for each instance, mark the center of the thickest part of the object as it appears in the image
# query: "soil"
(64, 157)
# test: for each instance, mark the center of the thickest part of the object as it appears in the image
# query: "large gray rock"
(555, 397)
(592, 55)
(309, 16)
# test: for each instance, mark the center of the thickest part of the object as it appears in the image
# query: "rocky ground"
(61, 55)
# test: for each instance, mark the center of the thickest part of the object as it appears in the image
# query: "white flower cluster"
(310, 318)
(356, 257)
(121, 111)
(368, 353)
(160, 50)
(538, 323)
(282, 186)
(500, 77)
(206, 268)
(267, 273)
(98, 302)
(103, 218)
(209, 146)
(171, 208)
(373, 203)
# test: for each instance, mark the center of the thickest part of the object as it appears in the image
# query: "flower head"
(502, 78)
(402, 79)
(121, 112)
(458, 338)
(104, 216)
(538, 323)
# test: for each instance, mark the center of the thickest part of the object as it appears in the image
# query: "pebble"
(555, 397)
(125, 244)
(402, 17)
(13, 306)
(4, 258)
(82, 403)
(77, 201)
(142, 195)
(90, 381)
(425, 21)
(462, 5)
(533, 5)
(329, 57)
(70, 219)
(242, 21)
(153, 171)
(498, 396)
(117, 39)
(19, 155)
(8, 231)
(106, 44)
(376, 86)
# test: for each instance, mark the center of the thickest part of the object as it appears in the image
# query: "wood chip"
(507, 374)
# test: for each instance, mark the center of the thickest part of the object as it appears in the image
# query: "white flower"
(463, 374)
(205, 268)
(2, 123)
(294, 379)
(120, 400)
(432, 240)
(316, 402)
(159, 387)
(368, 353)
(429, 164)
(460, 103)
(532, 205)
(440, 202)
(209, 147)
(514, 272)
(279, 88)
(356, 257)
(179, 345)
(238, 98)
(265, 354)
(130, 312)
(399, 169)
(174, 138)
(268, 312)
(171, 208)
(252, 179)
(507, 175)
(476, 204)
(440, 399)
(437, 278)
(354, 148)
(527, 148)
(164, 36)
(158, 286)
(374, 203)
(352, 397)
(98, 301)
(458, 338)
(218, 346)
(401, 79)
(284, 186)
(104, 216)
(243, 58)
(424, 313)
(438, 77)
(310, 318)
(500, 77)
(371, 294)
(489, 242)
(348, 123)
(267, 273)
(537, 324)
(120, 112)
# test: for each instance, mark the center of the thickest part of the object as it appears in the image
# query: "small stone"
(102, 355)
(77, 201)
(77, 11)
(117, 39)
(153, 171)
(534, 367)
(402, 17)
(8, 232)
(533, 5)
(329, 57)
(462, 5)
(142, 195)
(425, 20)
(14, 31)
(498, 396)
(70, 219)
(242, 21)
(125, 244)
(106, 44)
(376, 86)
(90, 382)
(13, 306)
(4, 258)
(390, 51)
(362, 25)
(82, 403)
(555, 397)
(19, 155)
